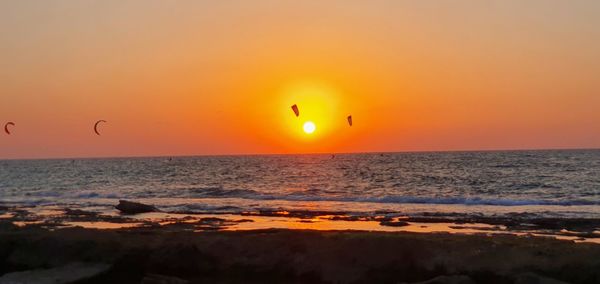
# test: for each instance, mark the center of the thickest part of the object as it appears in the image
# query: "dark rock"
(393, 223)
(65, 274)
(180, 260)
(129, 207)
(162, 279)
(449, 279)
(345, 218)
(78, 212)
(6, 226)
(532, 278)
(211, 220)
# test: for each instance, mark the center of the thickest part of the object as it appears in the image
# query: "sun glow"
(317, 102)
(309, 127)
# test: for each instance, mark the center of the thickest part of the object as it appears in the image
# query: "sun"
(309, 127)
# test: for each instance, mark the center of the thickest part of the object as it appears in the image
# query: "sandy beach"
(76, 246)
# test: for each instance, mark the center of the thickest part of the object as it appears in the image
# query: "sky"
(219, 77)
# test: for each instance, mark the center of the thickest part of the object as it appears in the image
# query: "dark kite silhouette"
(96, 126)
(295, 109)
(6, 127)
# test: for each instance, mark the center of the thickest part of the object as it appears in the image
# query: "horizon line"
(299, 154)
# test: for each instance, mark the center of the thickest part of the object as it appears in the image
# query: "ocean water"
(547, 183)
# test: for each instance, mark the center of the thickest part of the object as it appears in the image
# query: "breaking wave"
(218, 192)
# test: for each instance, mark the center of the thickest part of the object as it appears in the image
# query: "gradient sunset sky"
(219, 77)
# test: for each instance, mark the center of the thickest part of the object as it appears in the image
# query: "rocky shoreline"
(148, 217)
(133, 255)
(35, 254)
(140, 244)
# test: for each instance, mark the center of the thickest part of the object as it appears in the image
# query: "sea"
(548, 183)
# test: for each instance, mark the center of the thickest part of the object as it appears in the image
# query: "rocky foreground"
(76, 255)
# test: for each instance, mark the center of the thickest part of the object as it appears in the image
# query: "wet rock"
(211, 220)
(129, 207)
(78, 212)
(346, 218)
(393, 223)
(64, 274)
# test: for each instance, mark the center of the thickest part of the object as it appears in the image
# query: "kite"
(350, 120)
(295, 109)
(96, 126)
(6, 127)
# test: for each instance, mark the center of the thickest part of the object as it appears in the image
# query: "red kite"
(295, 109)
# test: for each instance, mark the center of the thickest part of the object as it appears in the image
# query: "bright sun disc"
(309, 127)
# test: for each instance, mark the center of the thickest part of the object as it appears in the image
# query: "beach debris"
(296, 111)
(129, 207)
(69, 273)
(96, 126)
(6, 127)
(350, 120)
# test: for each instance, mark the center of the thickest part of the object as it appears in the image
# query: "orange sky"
(218, 77)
